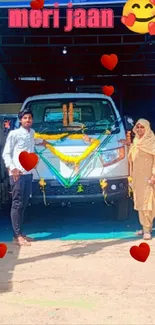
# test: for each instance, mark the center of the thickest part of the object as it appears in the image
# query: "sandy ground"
(91, 282)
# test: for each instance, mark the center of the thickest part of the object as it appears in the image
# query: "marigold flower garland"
(56, 137)
(74, 160)
(65, 122)
(42, 184)
(68, 159)
(130, 186)
(71, 113)
(104, 184)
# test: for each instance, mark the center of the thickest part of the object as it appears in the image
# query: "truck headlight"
(112, 156)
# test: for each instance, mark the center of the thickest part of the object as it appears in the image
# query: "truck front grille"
(91, 187)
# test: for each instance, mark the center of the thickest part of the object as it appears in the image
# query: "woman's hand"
(125, 142)
(152, 180)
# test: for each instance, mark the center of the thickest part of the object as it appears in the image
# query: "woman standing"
(142, 170)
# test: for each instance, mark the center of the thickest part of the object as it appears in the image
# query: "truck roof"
(67, 95)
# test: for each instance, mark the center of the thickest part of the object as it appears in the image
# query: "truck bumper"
(116, 190)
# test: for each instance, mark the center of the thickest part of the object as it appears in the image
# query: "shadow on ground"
(77, 223)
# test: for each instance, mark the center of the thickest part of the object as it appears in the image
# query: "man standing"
(19, 140)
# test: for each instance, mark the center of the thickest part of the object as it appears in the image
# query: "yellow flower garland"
(66, 158)
(56, 137)
(74, 160)
(71, 113)
(49, 136)
(104, 184)
(130, 186)
(65, 122)
(42, 184)
(107, 132)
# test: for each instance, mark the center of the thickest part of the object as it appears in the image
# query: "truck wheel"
(122, 210)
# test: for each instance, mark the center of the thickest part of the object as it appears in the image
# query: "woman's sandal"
(140, 233)
(147, 236)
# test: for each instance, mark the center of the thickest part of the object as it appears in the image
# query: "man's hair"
(24, 112)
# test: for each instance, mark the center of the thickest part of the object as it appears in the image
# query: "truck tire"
(122, 210)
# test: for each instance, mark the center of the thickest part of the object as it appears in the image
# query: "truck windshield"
(68, 115)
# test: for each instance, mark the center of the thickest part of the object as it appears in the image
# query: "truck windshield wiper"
(47, 127)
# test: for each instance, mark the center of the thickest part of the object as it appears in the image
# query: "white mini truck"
(74, 167)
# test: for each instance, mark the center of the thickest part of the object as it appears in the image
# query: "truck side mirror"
(128, 123)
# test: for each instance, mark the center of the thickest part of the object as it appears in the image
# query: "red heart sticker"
(3, 250)
(108, 90)
(37, 4)
(141, 252)
(28, 160)
(128, 20)
(109, 61)
(153, 2)
(152, 28)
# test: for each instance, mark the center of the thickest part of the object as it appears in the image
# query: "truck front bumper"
(116, 190)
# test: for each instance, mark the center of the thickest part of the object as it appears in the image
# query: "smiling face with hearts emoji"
(139, 16)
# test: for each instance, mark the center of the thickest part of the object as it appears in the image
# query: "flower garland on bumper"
(104, 185)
